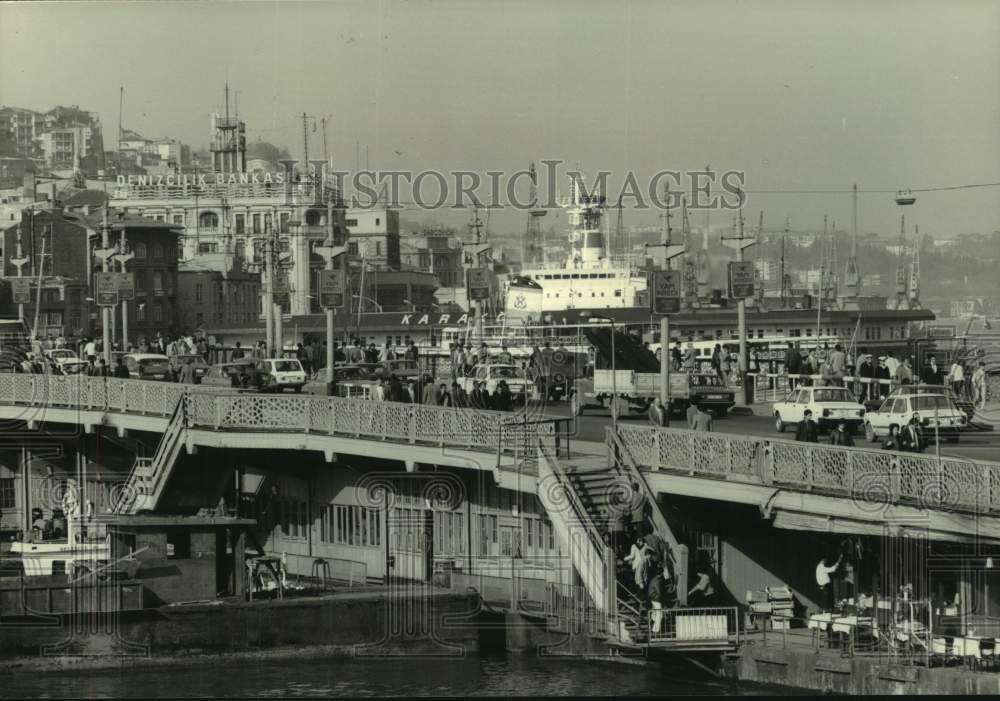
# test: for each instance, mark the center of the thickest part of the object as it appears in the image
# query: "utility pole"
(124, 257)
(38, 293)
(670, 251)
(19, 262)
(784, 281)
(740, 242)
(473, 253)
(105, 253)
(331, 253)
(268, 284)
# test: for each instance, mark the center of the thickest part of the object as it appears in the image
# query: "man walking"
(807, 431)
(702, 421)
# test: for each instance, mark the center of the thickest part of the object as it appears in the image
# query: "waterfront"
(485, 675)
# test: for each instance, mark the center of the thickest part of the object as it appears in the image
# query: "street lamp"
(613, 404)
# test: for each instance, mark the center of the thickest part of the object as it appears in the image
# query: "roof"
(83, 198)
(119, 219)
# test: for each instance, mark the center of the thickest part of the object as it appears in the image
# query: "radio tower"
(901, 299)
(533, 249)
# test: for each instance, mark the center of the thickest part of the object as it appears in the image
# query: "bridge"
(800, 486)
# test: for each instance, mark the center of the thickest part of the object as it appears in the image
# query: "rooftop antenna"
(784, 277)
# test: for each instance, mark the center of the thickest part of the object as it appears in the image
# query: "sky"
(798, 94)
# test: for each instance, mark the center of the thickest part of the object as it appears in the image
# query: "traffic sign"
(666, 297)
(279, 291)
(107, 289)
(126, 286)
(21, 289)
(478, 281)
(331, 288)
(741, 279)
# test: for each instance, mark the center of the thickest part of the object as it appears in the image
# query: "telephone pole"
(740, 242)
(124, 257)
(473, 253)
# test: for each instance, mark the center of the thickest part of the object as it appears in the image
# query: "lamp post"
(613, 404)
(670, 251)
(331, 253)
(740, 242)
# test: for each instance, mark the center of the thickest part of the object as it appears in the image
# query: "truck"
(625, 391)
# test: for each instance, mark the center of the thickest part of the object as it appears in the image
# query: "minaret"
(901, 298)
(915, 271)
(852, 278)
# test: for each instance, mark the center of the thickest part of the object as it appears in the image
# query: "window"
(158, 283)
(207, 248)
(140, 251)
(157, 312)
(157, 250)
(351, 222)
(7, 493)
(256, 223)
(241, 223)
(283, 245)
(351, 525)
(140, 282)
(178, 544)
(352, 248)
(198, 292)
(378, 248)
(140, 311)
(208, 220)
(285, 218)
(178, 219)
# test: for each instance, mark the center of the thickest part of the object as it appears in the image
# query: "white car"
(829, 405)
(67, 361)
(278, 373)
(147, 366)
(492, 373)
(938, 414)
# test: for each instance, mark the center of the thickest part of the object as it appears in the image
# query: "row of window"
(579, 276)
(351, 525)
(618, 293)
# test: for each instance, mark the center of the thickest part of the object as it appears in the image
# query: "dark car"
(708, 393)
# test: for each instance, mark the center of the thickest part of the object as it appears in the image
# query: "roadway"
(978, 445)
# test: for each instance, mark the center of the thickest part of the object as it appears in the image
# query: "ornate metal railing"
(867, 475)
(221, 409)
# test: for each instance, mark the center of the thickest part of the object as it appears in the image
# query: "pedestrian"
(443, 398)
(892, 442)
(676, 357)
(689, 358)
(702, 593)
(657, 413)
(979, 385)
(692, 410)
(702, 420)
(237, 351)
(932, 372)
(912, 437)
(807, 431)
(187, 373)
(956, 378)
(823, 571)
(503, 400)
(121, 371)
(841, 436)
(866, 373)
(90, 350)
(428, 395)
(638, 558)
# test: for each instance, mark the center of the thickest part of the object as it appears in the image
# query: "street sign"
(21, 289)
(106, 285)
(666, 297)
(331, 288)
(280, 289)
(941, 331)
(126, 286)
(741, 279)
(478, 281)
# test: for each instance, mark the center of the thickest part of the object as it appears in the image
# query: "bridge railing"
(867, 475)
(218, 408)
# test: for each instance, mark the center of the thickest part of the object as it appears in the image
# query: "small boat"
(70, 555)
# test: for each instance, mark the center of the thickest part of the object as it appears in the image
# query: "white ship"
(588, 278)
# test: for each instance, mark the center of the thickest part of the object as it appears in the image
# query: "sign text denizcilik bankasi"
(202, 179)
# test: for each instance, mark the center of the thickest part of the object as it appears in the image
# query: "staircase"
(149, 476)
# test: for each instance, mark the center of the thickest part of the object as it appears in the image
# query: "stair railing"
(628, 468)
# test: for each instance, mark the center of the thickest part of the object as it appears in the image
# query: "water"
(487, 675)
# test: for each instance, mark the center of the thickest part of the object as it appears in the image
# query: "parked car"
(66, 361)
(707, 392)
(938, 414)
(197, 362)
(276, 374)
(147, 366)
(221, 375)
(492, 373)
(829, 405)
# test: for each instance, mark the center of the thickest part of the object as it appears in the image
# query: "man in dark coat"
(807, 432)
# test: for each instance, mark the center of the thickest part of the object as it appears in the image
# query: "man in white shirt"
(979, 385)
(90, 350)
(823, 572)
(892, 364)
(956, 376)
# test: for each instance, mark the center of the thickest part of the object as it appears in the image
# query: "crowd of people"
(909, 439)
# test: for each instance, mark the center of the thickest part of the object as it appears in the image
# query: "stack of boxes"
(774, 603)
